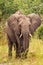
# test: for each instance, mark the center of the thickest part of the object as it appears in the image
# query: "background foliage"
(8, 7)
(35, 54)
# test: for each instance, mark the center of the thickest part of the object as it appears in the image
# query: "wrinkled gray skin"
(20, 24)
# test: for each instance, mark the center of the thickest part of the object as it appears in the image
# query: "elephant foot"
(24, 54)
(18, 55)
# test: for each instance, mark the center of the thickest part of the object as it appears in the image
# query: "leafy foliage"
(35, 54)
(8, 7)
(26, 6)
(40, 32)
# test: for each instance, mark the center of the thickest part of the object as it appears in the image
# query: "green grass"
(34, 57)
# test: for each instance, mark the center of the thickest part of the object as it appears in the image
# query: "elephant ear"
(35, 21)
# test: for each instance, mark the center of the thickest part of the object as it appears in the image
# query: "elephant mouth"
(22, 35)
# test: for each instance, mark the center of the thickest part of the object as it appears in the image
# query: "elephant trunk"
(25, 41)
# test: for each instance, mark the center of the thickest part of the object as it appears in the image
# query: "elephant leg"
(17, 51)
(21, 44)
(10, 43)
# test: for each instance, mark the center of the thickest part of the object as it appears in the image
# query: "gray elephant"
(16, 25)
(19, 28)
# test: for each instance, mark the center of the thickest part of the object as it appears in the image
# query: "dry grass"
(34, 57)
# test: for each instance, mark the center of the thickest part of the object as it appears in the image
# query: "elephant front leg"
(10, 43)
(18, 54)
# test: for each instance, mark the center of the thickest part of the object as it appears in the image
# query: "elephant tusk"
(30, 35)
(20, 35)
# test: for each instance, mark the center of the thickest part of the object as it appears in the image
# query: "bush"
(9, 7)
(40, 32)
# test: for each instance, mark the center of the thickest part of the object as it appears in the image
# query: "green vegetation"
(40, 32)
(7, 7)
(35, 53)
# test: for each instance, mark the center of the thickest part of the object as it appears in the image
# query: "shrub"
(40, 32)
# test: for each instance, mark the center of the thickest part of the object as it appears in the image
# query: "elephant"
(14, 28)
(19, 29)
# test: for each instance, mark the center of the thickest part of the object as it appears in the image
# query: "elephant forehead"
(25, 24)
(27, 21)
(25, 28)
(25, 31)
